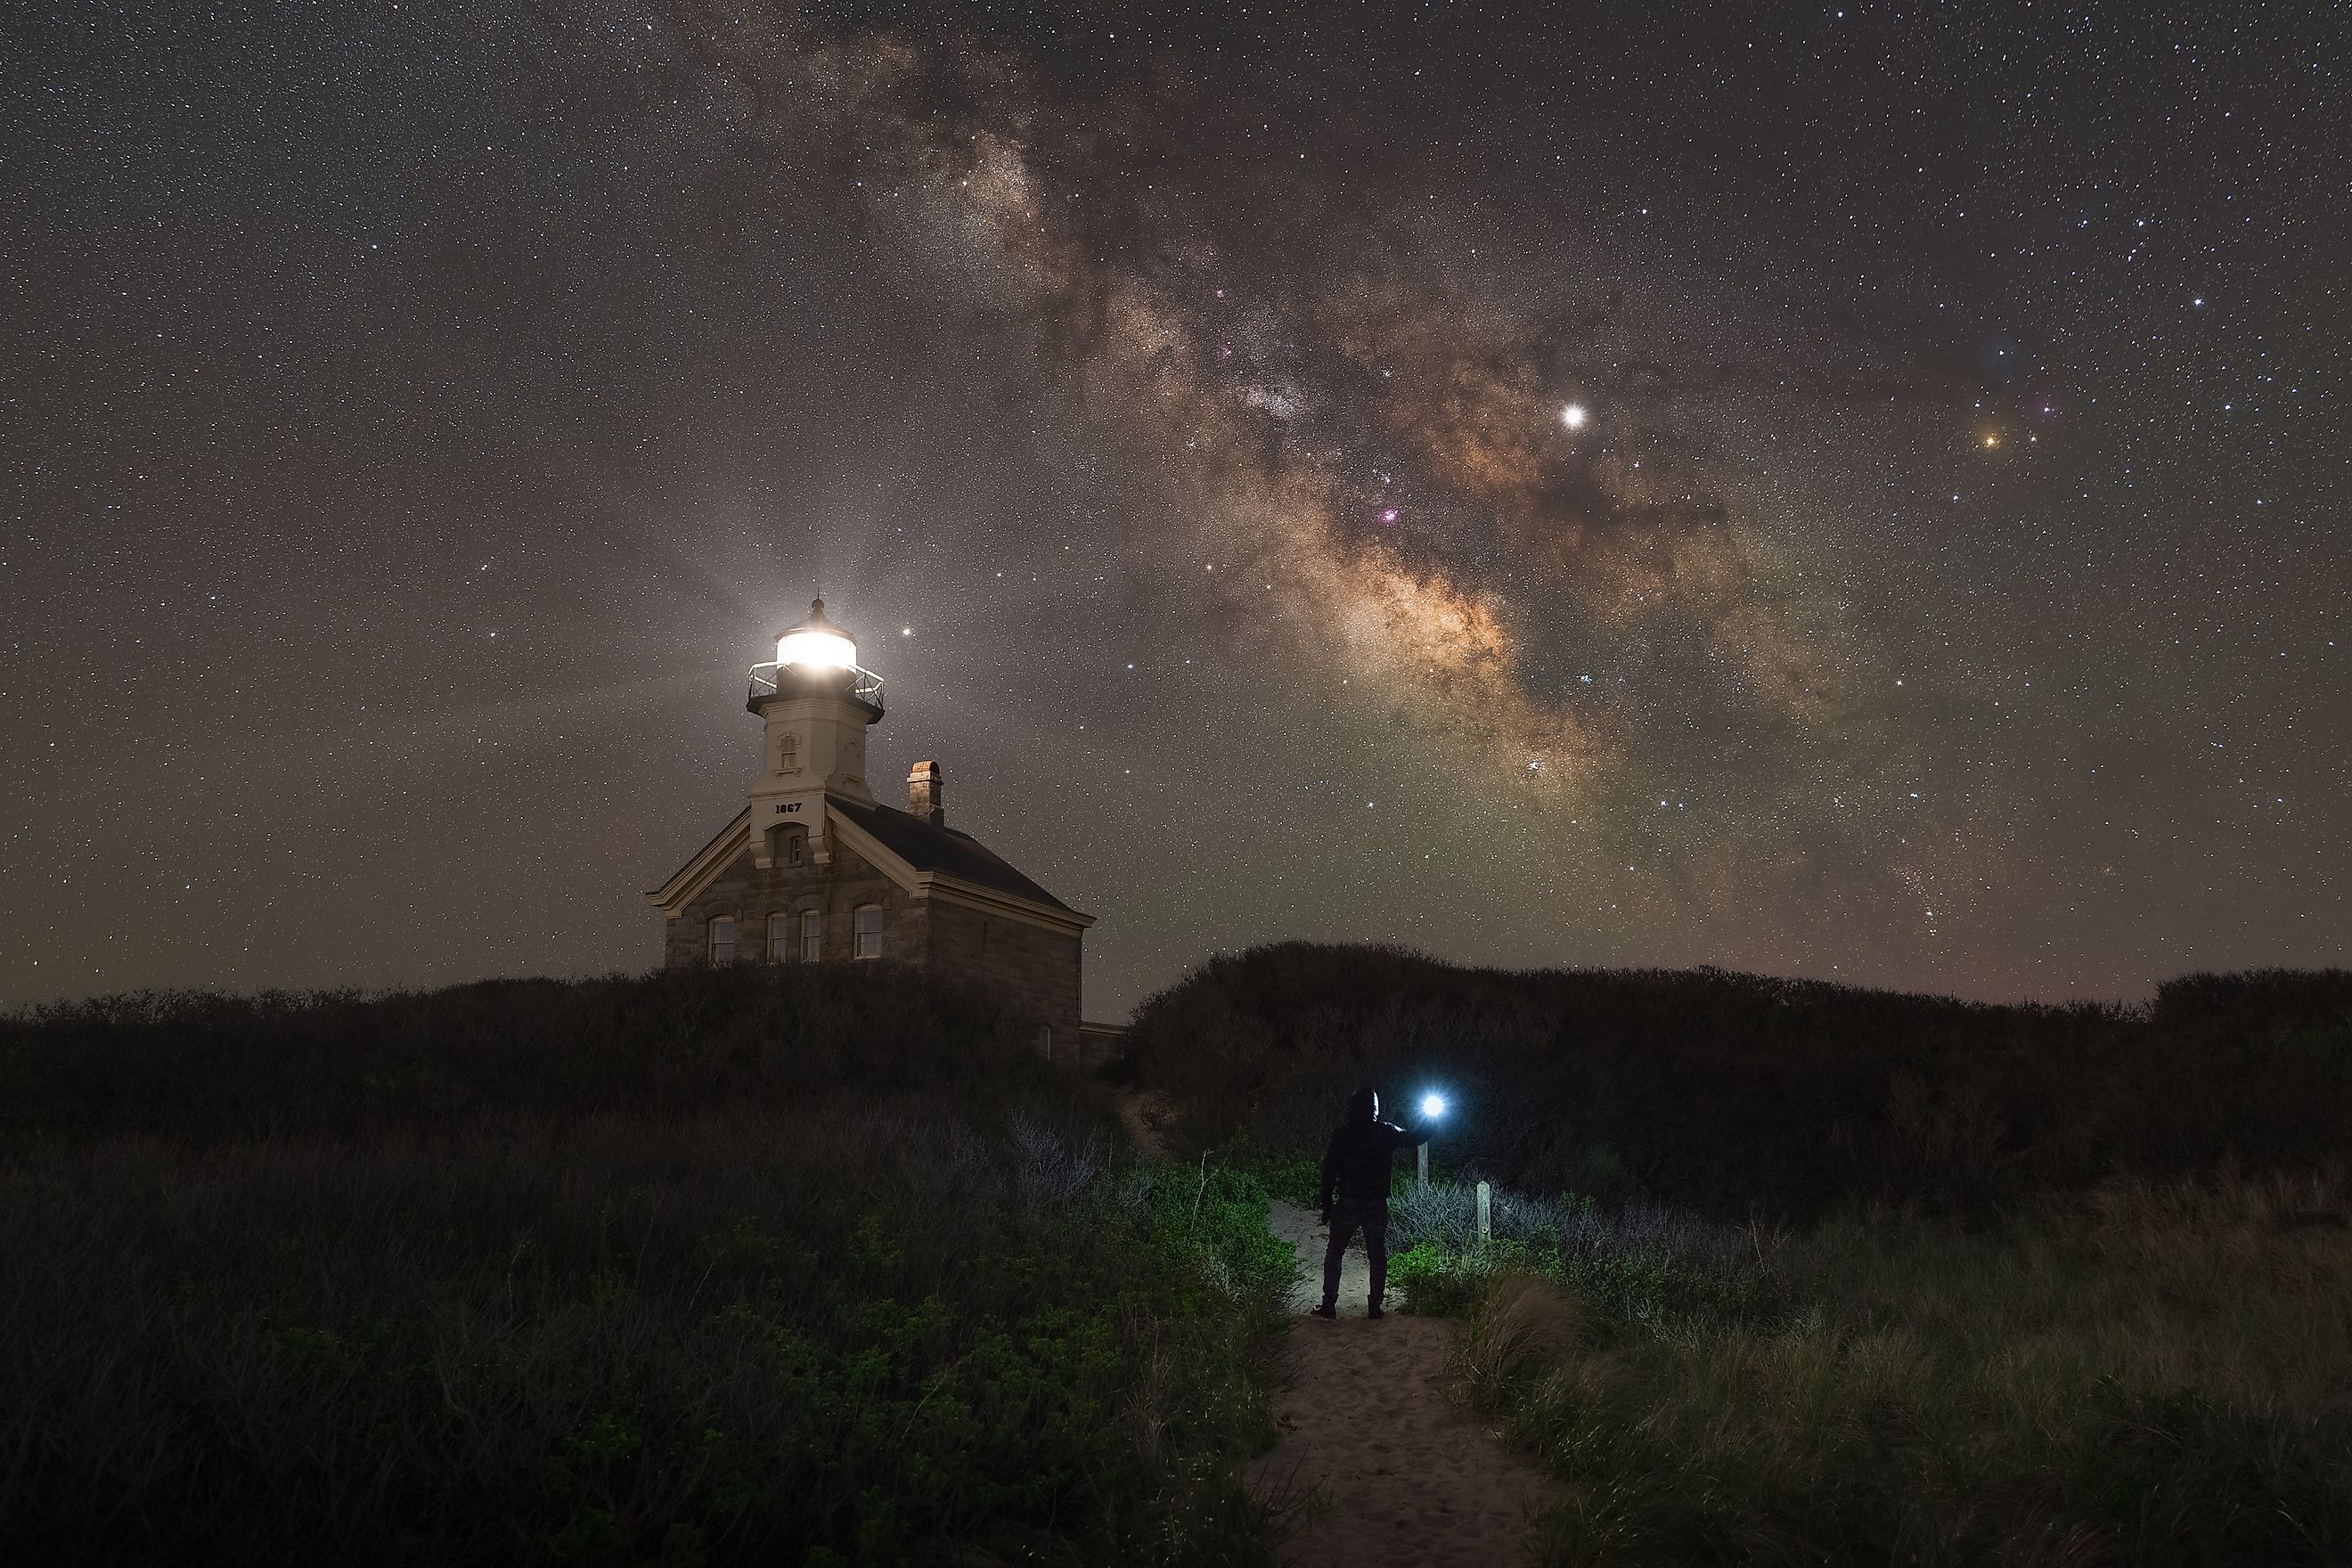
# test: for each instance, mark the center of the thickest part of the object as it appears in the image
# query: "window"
(812, 935)
(869, 932)
(788, 754)
(722, 940)
(779, 939)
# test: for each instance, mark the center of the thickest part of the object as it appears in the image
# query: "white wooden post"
(1485, 1213)
(1424, 1167)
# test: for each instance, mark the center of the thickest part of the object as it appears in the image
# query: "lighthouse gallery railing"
(863, 684)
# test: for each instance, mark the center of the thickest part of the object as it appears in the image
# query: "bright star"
(1572, 415)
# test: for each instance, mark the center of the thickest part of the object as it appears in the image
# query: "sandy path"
(1385, 1468)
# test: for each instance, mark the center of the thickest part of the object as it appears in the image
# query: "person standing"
(1356, 1169)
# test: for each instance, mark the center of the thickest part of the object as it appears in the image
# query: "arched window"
(869, 932)
(722, 939)
(779, 939)
(788, 754)
(812, 935)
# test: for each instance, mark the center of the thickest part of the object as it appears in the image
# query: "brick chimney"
(926, 795)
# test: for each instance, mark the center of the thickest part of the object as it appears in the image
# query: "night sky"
(1860, 495)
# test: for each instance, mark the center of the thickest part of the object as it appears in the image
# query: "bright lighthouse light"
(1433, 1105)
(1572, 415)
(816, 650)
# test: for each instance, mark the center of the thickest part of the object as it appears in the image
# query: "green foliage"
(1298, 1178)
(932, 1322)
(1637, 1285)
(1435, 1283)
(1287, 1170)
(1218, 1212)
(1640, 1264)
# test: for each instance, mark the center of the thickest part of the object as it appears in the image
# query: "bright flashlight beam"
(1433, 1105)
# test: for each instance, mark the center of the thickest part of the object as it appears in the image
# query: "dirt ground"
(1378, 1464)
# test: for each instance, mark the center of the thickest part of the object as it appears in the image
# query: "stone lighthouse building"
(815, 870)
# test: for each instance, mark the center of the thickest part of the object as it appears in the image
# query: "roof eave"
(955, 890)
(712, 858)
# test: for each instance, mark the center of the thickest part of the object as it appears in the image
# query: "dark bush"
(813, 1266)
(198, 1064)
(1730, 1092)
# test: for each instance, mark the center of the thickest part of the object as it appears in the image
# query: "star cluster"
(1853, 491)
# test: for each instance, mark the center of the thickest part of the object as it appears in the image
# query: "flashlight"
(1433, 1105)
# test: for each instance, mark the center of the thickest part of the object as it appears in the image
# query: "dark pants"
(1345, 1219)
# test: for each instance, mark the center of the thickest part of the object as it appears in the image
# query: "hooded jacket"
(1357, 1164)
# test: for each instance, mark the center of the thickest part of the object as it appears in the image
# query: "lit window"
(779, 939)
(811, 936)
(722, 940)
(869, 932)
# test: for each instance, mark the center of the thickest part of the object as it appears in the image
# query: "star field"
(1856, 493)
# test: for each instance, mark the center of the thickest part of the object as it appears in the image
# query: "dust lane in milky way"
(1851, 497)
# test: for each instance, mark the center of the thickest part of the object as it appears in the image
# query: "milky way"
(417, 428)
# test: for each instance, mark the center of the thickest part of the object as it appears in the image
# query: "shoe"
(1376, 1315)
(1327, 1311)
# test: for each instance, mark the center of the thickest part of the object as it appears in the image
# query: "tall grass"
(420, 1286)
(1643, 1262)
(2153, 1374)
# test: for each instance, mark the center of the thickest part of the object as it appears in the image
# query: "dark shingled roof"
(941, 849)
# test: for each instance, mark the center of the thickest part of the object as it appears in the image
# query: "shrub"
(1728, 1094)
(725, 1283)
(198, 1066)
(1432, 1282)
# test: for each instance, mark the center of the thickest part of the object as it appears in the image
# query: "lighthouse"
(817, 705)
(815, 869)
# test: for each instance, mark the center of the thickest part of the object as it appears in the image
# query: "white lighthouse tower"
(817, 704)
